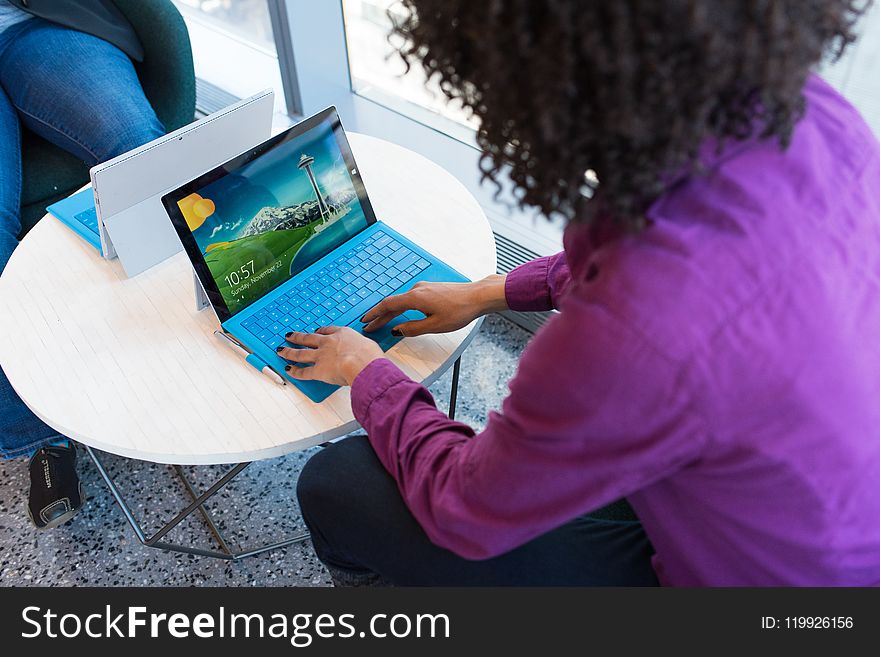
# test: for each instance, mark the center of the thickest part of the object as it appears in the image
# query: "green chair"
(166, 74)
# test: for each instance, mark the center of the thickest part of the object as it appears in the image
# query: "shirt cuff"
(526, 288)
(372, 382)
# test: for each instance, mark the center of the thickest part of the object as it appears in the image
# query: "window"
(233, 50)
(855, 75)
(377, 72)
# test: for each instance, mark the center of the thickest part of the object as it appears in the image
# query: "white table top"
(127, 366)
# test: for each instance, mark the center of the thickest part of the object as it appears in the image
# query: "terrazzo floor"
(98, 548)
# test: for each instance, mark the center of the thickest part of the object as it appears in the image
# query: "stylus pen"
(242, 351)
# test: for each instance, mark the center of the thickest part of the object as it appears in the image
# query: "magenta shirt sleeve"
(537, 285)
(593, 414)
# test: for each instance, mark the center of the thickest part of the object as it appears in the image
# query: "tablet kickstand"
(202, 300)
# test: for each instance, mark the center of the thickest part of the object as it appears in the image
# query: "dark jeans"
(83, 95)
(361, 529)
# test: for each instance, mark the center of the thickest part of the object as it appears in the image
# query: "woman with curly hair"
(715, 359)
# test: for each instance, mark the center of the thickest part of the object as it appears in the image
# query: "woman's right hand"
(446, 306)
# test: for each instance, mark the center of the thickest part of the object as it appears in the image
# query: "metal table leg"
(453, 394)
(198, 502)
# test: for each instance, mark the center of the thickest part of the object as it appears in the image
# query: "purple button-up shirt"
(721, 370)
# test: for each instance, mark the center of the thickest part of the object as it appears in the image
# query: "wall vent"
(210, 98)
(512, 255)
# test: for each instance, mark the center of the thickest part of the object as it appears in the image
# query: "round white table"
(128, 366)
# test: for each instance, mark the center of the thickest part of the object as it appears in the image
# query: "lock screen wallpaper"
(269, 219)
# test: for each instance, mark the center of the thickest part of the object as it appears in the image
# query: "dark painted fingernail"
(364, 319)
(287, 368)
(278, 349)
(395, 332)
(287, 335)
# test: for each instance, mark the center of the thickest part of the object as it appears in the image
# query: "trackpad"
(383, 335)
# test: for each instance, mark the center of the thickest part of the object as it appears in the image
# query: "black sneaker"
(56, 494)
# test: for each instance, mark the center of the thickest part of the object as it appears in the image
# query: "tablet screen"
(258, 223)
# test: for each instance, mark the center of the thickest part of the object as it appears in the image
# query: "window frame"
(313, 56)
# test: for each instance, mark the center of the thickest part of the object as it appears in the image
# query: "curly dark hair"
(629, 89)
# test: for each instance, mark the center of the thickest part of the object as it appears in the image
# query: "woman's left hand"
(337, 354)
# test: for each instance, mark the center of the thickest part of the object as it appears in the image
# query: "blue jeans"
(82, 94)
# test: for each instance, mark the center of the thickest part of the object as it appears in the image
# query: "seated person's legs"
(77, 91)
(82, 94)
(21, 433)
(364, 533)
(55, 492)
(10, 179)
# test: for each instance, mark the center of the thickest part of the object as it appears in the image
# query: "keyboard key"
(400, 254)
(285, 307)
(409, 260)
(393, 272)
(264, 335)
(276, 327)
(385, 290)
(276, 314)
(353, 300)
(264, 322)
(422, 264)
(341, 308)
(403, 279)
(383, 278)
(363, 293)
(88, 218)
(348, 289)
(329, 303)
(334, 313)
(287, 320)
(307, 305)
(338, 284)
(339, 297)
(372, 300)
(373, 285)
(250, 321)
(308, 318)
(297, 326)
(357, 271)
(275, 341)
